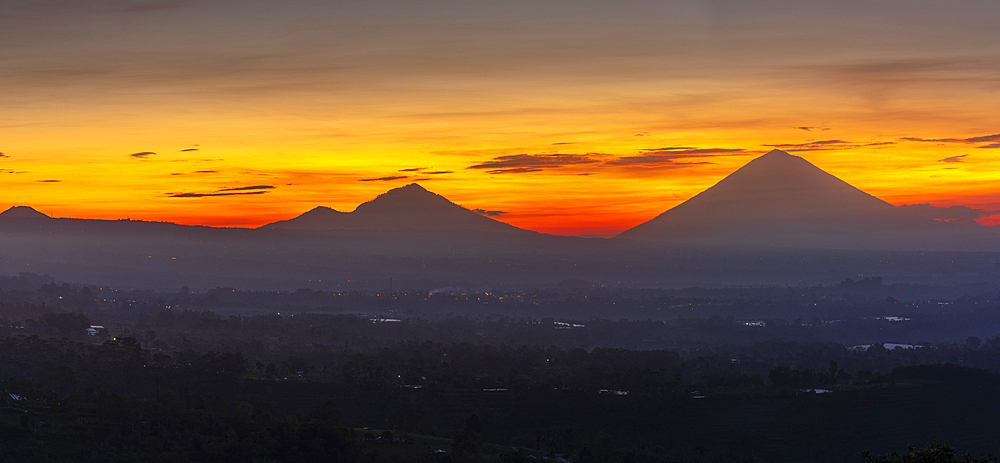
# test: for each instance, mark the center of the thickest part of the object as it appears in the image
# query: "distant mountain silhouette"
(783, 200)
(22, 212)
(408, 208)
(317, 218)
(411, 234)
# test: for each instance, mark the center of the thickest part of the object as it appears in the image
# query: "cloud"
(564, 143)
(934, 140)
(959, 214)
(521, 163)
(813, 129)
(667, 157)
(198, 172)
(651, 161)
(48, 181)
(488, 213)
(517, 170)
(993, 141)
(189, 150)
(688, 151)
(826, 145)
(202, 195)
(142, 154)
(984, 139)
(535, 160)
(383, 179)
(3, 155)
(664, 157)
(245, 188)
(422, 170)
(954, 158)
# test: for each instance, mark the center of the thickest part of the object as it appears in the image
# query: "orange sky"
(584, 117)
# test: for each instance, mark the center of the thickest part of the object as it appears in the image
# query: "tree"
(65, 324)
(473, 424)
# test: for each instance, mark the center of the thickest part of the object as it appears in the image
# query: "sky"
(568, 117)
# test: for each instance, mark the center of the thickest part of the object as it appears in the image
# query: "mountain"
(317, 218)
(783, 200)
(22, 212)
(408, 208)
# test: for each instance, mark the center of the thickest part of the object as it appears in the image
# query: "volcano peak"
(779, 199)
(23, 212)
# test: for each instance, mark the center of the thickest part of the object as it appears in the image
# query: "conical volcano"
(783, 200)
(408, 208)
(22, 212)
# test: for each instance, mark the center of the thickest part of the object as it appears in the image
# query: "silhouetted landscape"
(781, 315)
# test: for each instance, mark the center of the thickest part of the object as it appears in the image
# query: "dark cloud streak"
(667, 157)
(516, 170)
(992, 140)
(536, 161)
(664, 157)
(827, 145)
(383, 179)
(685, 151)
(488, 213)
(959, 158)
(202, 195)
(245, 188)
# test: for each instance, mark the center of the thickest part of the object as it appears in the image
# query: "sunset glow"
(580, 118)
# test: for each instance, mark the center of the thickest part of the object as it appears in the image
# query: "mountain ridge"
(410, 207)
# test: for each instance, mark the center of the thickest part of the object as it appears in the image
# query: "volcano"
(783, 200)
(22, 212)
(408, 208)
